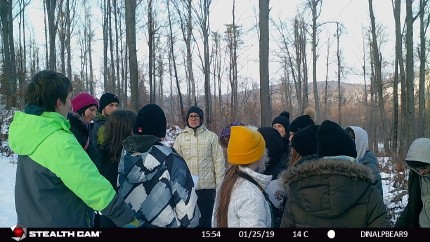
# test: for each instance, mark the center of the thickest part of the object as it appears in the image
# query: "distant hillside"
(351, 93)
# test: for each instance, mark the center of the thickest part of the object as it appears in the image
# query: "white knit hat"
(419, 151)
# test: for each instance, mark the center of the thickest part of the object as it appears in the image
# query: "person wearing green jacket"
(57, 184)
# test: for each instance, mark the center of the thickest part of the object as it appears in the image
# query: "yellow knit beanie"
(246, 145)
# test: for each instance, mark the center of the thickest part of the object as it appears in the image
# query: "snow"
(8, 172)
(394, 198)
(7, 186)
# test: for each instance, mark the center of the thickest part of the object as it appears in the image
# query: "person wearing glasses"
(416, 214)
(203, 154)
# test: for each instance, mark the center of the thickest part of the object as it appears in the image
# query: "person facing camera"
(84, 109)
(334, 191)
(282, 125)
(241, 200)
(202, 151)
(416, 214)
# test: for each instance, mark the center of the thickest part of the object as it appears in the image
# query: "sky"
(8, 172)
(353, 14)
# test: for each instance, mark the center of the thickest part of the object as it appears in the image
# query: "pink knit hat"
(83, 100)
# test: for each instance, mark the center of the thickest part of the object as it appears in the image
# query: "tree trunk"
(378, 78)
(173, 59)
(52, 26)
(105, 46)
(315, 15)
(9, 53)
(266, 109)
(410, 77)
(206, 67)
(398, 55)
(339, 71)
(130, 25)
(424, 23)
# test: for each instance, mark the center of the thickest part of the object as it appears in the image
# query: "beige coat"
(203, 154)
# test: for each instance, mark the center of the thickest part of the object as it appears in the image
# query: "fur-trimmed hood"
(328, 186)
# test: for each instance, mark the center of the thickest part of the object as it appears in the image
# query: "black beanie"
(274, 142)
(305, 140)
(151, 120)
(283, 119)
(107, 99)
(300, 123)
(195, 109)
(333, 140)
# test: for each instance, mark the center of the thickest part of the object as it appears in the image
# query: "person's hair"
(224, 197)
(45, 88)
(351, 133)
(295, 156)
(118, 127)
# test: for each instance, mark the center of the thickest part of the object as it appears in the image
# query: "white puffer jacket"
(248, 207)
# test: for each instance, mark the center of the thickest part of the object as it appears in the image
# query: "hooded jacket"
(365, 156)
(57, 184)
(332, 192)
(157, 183)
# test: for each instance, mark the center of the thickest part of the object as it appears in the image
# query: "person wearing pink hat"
(84, 107)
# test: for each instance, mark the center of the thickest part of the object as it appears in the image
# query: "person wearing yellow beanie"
(241, 200)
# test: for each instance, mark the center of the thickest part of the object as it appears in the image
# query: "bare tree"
(424, 23)
(315, 6)
(173, 59)
(151, 52)
(9, 83)
(217, 72)
(105, 13)
(410, 103)
(130, 25)
(203, 21)
(233, 34)
(325, 113)
(185, 16)
(398, 56)
(52, 27)
(266, 109)
(378, 77)
(21, 56)
(339, 72)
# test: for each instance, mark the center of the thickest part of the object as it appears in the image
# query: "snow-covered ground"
(393, 200)
(7, 186)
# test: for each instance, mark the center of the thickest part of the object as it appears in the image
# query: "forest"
(169, 53)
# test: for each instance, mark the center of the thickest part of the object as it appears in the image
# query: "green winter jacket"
(57, 184)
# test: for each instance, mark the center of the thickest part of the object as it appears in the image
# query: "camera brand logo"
(19, 233)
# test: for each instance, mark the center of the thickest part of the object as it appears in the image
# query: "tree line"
(186, 63)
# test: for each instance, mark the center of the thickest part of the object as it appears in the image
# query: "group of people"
(88, 163)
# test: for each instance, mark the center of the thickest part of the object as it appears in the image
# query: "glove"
(132, 225)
